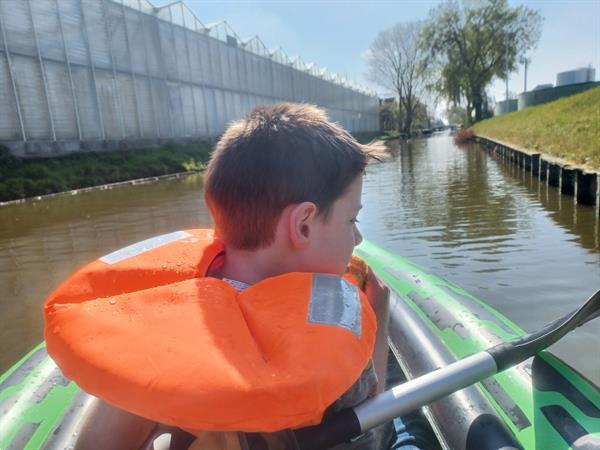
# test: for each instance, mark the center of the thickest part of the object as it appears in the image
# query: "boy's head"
(283, 158)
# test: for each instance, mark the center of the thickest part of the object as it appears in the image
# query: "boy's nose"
(357, 236)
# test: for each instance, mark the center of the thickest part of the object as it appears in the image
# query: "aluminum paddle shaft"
(413, 394)
(397, 401)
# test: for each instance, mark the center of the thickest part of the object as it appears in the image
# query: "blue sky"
(336, 34)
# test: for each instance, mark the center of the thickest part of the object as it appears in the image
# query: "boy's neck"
(252, 266)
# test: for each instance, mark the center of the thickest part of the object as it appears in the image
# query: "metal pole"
(135, 99)
(506, 48)
(37, 48)
(189, 62)
(93, 69)
(272, 72)
(204, 89)
(67, 59)
(165, 79)
(222, 79)
(231, 79)
(178, 75)
(420, 391)
(525, 90)
(243, 56)
(222, 86)
(146, 60)
(12, 79)
(119, 103)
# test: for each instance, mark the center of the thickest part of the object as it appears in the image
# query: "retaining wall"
(583, 185)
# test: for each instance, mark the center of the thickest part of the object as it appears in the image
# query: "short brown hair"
(276, 156)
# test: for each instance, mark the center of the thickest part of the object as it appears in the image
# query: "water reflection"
(42, 242)
(476, 220)
(491, 228)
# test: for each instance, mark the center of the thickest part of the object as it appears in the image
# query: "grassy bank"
(568, 128)
(365, 138)
(21, 178)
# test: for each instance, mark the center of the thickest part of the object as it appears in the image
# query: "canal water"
(484, 224)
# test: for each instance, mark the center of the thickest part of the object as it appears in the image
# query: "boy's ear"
(301, 220)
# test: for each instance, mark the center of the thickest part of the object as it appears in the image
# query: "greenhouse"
(87, 74)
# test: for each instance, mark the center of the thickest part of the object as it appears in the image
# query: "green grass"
(568, 128)
(366, 137)
(21, 178)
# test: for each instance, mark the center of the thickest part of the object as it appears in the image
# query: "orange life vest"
(144, 329)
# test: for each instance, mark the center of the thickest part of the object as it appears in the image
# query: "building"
(103, 74)
(581, 75)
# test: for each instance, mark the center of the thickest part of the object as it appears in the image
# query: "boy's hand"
(377, 293)
(379, 298)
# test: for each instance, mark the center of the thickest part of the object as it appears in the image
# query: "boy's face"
(335, 238)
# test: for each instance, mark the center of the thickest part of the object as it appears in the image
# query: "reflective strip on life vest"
(335, 301)
(143, 247)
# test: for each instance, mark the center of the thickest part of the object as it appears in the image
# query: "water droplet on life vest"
(112, 301)
(164, 266)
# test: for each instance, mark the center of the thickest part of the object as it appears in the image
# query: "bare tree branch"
(398, 62)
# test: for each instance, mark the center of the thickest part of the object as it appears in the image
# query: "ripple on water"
(495, 231)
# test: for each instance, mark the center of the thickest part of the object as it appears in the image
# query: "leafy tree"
(397, 62)
(473, 42)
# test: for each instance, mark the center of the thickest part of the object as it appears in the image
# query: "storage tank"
(581, 75)
(506, 106)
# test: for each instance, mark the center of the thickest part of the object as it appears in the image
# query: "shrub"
(19, 188)
(4, 197)
(31, 177)
(35, 171)
(8, 161)
(463, 136)
(49, 186)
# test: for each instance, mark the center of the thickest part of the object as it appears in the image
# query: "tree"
(396, 61)
(471, 45)
(455, 114)
(388, 114)
(421, 119)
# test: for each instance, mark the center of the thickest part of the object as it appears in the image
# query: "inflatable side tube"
(40, 409)
(543, 391)
(463, 421)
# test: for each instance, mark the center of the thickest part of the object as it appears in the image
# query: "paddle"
(407, 397)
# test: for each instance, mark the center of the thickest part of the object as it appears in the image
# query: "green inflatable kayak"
(541, 403)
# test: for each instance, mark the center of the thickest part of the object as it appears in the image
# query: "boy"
(284, 188)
